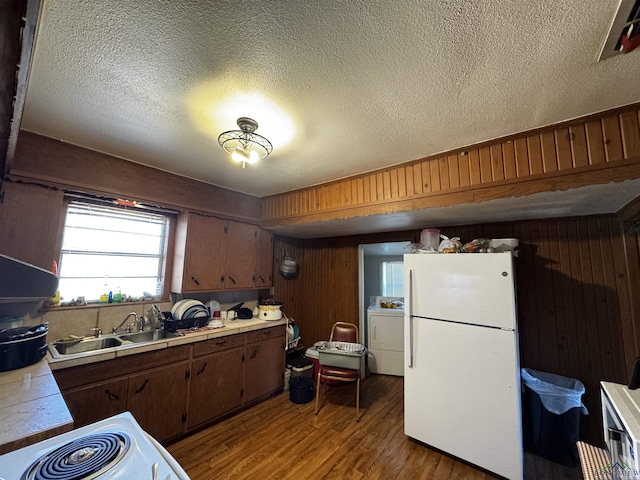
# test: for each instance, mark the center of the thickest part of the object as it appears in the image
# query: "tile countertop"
(31, 405)
(231, 327)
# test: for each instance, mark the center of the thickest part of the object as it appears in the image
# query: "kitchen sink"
(94, 344)
(87, 345)
(149, 336)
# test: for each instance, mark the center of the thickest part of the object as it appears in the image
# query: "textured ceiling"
(339, 87)
(356, 85)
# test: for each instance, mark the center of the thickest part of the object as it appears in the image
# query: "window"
(392, 277)
(107, 248)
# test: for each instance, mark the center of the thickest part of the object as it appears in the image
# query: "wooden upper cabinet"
(199, 257)
(264, 259)
(241, 255)
(212, 254)
(34, 241)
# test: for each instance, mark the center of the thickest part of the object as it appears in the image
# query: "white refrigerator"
(462, 369)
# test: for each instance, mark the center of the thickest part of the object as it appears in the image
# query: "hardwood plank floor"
(278, 439)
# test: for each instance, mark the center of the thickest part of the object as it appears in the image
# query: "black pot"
(22, 346)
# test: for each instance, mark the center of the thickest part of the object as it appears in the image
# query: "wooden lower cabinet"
(157, 400)
(264, 368)
(216, 385)
(93, 403)
(171, 391)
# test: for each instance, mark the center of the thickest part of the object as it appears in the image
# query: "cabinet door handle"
(262, 279)
(112, 396)
(267, 332)
(221, 343)
(231, 278)
(221, 278)
(138, 390)
(195, 280)
(254, 354)
(375, 332)
(204, 365)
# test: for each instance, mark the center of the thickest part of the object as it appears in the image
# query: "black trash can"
(551, 409)
(301, 390)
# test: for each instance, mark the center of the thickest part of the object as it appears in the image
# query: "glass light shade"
(244, 145)
(245, 156)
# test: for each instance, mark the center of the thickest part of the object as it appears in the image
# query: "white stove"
(114, 448)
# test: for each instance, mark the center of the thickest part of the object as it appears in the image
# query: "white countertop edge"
(132, 349)
(232, 327)
(79, 359)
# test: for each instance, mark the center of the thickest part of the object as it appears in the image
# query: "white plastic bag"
(557, 393)
(449, 244)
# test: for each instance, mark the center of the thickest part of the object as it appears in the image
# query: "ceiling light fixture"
(244, 145)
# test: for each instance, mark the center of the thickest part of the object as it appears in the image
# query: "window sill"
(100, 305)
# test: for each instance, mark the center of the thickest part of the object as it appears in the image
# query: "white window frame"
(159, 218)
(382, 262)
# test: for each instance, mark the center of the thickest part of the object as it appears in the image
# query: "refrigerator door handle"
(410, 313)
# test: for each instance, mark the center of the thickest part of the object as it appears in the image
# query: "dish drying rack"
(291, 344)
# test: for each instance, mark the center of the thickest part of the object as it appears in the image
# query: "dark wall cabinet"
(264, 259)
(212, 254)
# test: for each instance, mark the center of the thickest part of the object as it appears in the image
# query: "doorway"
(371, 266)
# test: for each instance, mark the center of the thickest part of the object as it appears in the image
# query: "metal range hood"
(23, 287)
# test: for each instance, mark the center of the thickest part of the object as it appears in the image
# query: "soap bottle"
(55, 300)
(117, 297)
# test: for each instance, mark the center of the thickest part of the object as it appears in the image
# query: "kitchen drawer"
(266, 334)
(218, 344)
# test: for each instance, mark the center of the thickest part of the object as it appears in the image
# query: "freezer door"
(462, 394)
(476, 288)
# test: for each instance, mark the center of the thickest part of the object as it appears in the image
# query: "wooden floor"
(278, 439)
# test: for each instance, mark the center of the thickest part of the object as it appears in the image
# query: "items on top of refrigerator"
(477, 245)
(480, 245)
(430, 238)
(449, 245)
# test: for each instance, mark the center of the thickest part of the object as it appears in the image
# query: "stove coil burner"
(82, 459)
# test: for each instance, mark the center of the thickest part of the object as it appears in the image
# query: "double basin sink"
(91, 344)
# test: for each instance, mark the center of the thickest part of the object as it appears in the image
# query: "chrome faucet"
(135, 315)
(142, 322)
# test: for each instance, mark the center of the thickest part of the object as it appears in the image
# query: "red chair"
(341, 332)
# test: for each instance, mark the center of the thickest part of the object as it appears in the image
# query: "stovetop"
(114, 448)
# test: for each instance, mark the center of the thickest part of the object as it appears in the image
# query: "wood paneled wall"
(592, 150)
(575, 294)
(45, 160)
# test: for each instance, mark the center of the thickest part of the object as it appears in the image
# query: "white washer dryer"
(386, 340)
